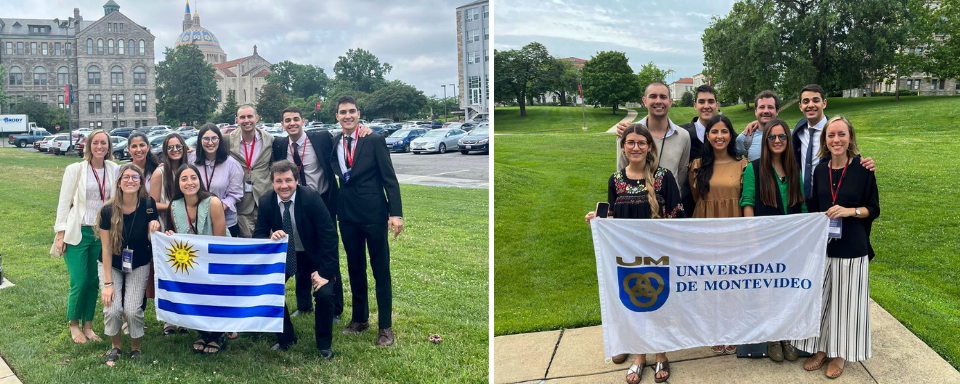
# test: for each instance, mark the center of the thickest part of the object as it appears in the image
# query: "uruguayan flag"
(220, 284)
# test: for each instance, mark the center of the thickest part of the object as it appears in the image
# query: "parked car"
(159, 132)
(400, 140)
(436, 140)
(62, 144)
(156, 144)
(21, 140)
(122, 131)
(191, 142)
(119, 147)
(476, 140)
(391, 128)
(378, 129)
(276, 131)
(382, 121)
(48, 141)
(186, 129)
(227, 129)
(468, 126)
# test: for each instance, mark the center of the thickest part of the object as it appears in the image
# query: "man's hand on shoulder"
(867, 163)
(622, 126)
(751, 128)
(363, 131)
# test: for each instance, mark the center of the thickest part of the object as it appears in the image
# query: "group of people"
(704, 169)
(266, 188)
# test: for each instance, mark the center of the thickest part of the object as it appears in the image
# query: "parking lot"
(450, 169)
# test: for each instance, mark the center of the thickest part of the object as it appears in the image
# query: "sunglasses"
(175, 147)
(772, 138)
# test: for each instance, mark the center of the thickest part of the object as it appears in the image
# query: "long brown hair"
(652, 164)
(707, 155)
(169, 168)
(202, 193)
(116, 209)
(852, 150)
(767, 184)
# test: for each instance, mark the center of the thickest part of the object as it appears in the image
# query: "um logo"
(644, 282)
(646, 260)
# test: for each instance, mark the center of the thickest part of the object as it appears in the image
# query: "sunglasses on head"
(772, 138)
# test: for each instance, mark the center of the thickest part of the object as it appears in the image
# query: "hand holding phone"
(602, 209)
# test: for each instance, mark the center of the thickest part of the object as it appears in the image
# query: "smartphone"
(602, 209)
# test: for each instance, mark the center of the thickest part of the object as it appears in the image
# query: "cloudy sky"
(666, 32)
(418, 38)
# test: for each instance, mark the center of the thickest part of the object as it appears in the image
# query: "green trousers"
(81, 262)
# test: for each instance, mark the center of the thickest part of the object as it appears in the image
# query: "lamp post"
(444, 86)
(455, 94)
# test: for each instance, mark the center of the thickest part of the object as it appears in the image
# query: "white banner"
(220, 284)
(667, 285)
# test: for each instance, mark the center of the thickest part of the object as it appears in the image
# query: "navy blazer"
(362, 199)
(322, 146)
(802, 127)
(316, 228)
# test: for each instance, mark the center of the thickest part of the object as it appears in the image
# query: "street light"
(444, 102)
(455, 94)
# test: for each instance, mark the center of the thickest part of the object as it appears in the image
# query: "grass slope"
(555, 118)
(545, 271)
(440, 284)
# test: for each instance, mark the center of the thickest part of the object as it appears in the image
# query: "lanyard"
(133, 221)
(836, 192)
(190, 222)
(101, 185)
(349, 155)
(249, 157)
(303, 151)
(210, 175)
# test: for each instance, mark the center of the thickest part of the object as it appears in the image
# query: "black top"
(316, 229)
(372, 195)
(135, 231)
(858, 189)
(323, 147)
(761, 209)
(628, 198)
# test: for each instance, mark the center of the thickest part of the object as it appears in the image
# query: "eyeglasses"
(772, 138)
(130, 177)
(175, 147)
(211, 139)
(638, 144)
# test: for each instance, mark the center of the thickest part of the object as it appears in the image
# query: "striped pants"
(845, 320)
(128, 296)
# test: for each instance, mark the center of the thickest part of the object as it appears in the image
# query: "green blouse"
(749, 195)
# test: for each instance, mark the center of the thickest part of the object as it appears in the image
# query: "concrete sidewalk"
(631, 115)
(576, 356)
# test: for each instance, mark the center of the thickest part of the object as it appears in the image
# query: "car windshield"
(402, 133)
(482, 130)
(436, 133)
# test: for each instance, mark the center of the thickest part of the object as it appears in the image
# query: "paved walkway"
(631, 116)
(576, 356)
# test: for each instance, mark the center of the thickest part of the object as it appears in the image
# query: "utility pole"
(583, 102)
(444, 86)
(455, 94)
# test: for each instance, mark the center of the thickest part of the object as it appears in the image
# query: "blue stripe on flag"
(246, 269)
(247, 249)
(217, 311)
(220, 290)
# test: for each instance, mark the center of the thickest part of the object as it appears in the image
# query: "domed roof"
(199, 36)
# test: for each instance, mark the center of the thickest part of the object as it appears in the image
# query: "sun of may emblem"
(181, 257)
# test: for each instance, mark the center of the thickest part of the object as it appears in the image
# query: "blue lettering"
(681, 286)
(710, 285)
(805, 284)
(781, 267)
(794, 282)
(733, 270)
(709, 269)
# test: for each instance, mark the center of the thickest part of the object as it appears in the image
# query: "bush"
(687, 99)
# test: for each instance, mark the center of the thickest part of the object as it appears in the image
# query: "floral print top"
(628, 198)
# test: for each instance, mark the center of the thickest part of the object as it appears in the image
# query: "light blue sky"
(665, 32)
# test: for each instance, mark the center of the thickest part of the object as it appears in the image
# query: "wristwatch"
(858, 211)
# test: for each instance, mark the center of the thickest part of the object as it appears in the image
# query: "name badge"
(248, 186)
(836, 228)
(346, 176)
(127, 256)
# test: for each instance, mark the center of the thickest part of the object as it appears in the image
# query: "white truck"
(16, 124)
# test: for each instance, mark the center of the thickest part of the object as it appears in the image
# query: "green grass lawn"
(508, 119)
(440, 284)
(544, 267)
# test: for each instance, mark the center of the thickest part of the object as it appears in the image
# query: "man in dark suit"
(298, 212)
(705, 103)
(365, 215)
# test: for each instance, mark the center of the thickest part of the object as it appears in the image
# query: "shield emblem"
(643, 289)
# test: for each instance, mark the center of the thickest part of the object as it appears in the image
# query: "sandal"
(134, 354)
(635, 370)
(730, 349)
(718, 349)
(813, 363)
(214, 347)
(183, 331)
(661, 366)
(169, 330)
(112, 356)
(839, 370)
(199, 345)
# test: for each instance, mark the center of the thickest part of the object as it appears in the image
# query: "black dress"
(858, 188)
(628, 198)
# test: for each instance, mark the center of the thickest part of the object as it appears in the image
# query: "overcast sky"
(418, 38)
(666, 32)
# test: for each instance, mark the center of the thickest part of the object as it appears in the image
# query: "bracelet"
(110, 284)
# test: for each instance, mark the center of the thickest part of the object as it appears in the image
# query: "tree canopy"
(649, 73)
(361, 70)
(517, 71)
(608, 80)
(299, 80)
(186, 88)
(272, 101)
(228, 112)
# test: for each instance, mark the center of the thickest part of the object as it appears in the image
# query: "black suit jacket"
(322, 145)
(696, 146)
(314, 225)
(362, 198)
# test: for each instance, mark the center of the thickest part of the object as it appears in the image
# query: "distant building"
(244, 77)
(109, 64)
(700, 79)
(473, 51)
(677, 88)
(576, 61)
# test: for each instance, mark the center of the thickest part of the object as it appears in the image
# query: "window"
(130, 44)
(69, 49)
(136, 124)
(60, 103)
(473, 14)
(473, 57)
(116, 103)
(109, 27)
(110, 47)
(43, 98)
(63, 76)
(143, 123)
(116, 75)
(219, 97)
(89, 46)
(486, 34)
(486, 55)
(99, 46)
(139, 75)
(473, 35)
(474, 90)
(136, 104)
(39, 76)
(16, 76)
(33, 48)
(486, 11)
(56, 49)
(43, 49)
(142, 47)
(20, 48)
(958, 84)
(9, 48)
(942, 83)
(93, 75)
(916, 84)
(94, 104)
(256, 94)
(121, 27)
(120, 47)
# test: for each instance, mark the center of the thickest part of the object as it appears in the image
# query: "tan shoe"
(775, 351)
(789, 351)
(386, 338)
(619, 359)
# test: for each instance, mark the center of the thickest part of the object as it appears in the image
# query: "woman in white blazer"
(86, 186)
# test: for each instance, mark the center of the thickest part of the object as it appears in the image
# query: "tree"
(741, 51)
(944, 51)
(516, 71)
(228, 113)
(272, 101)
(42, 113)
(914, 29)
(609, 80)
(649, 73)
(3, 86)
(396, 100)
(362, 70)
(299, 80)
(558, 76)
(186, 89)
(687, 99)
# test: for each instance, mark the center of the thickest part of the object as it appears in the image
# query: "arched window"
(39, 76)
(63, 76)
(99, 46)
(89, 46)
(139, 75)
(93, 75)
(110, 47)
(16, 76)
(142, 47)
(133, 47)
(120, 47)
(116, 75)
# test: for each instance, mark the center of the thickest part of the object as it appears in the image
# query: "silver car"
(437, 140)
